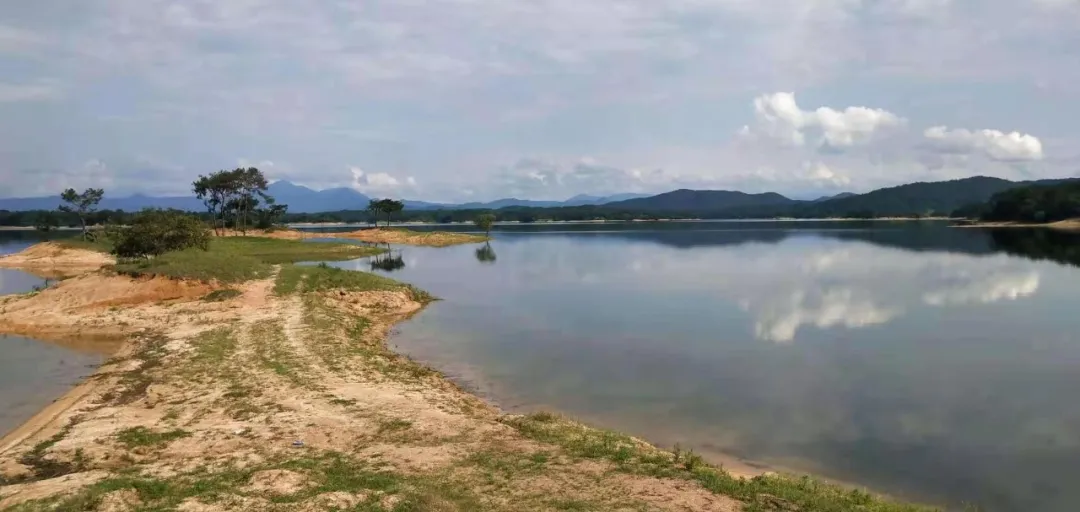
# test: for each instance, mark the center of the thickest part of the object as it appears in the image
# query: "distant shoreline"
(1068, 225)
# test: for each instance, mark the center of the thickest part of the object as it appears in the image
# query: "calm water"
(928, 362)
(32, 373)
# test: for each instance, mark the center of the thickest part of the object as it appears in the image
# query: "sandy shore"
(409, 237)
(1070, 224)
(267, 400)
(49, 259)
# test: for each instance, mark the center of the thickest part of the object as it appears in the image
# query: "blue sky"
(456, 100)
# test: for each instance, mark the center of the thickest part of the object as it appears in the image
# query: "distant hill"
(837, 196)
(300, 200)
(684, 200)
(940, 197)
(578, 200)
(305, 200)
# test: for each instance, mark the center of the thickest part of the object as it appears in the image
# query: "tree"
(484, 221)
(46, 222)
(154, 232)
(215, 190)
(81, 204)
(234, 194)
(374, 207)
(390, 207)
(271, 215)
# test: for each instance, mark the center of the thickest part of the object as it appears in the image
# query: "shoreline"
(1064, 225)
(231, 384)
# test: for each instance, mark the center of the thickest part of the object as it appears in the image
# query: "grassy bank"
(231, 259)
(281, 394)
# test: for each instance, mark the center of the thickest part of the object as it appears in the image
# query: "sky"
(465, 100)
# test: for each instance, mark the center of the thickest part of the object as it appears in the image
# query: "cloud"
(1013, 146)
(778, 116)
(450, 91)
(380, 182)
(42, 91)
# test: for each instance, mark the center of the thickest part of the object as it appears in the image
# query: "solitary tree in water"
(484, 222)
(82, 205)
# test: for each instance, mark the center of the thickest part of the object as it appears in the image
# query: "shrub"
(154, 232)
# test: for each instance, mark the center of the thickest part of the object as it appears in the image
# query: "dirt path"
(267, 402)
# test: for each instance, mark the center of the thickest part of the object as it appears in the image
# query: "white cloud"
(380, 182)
(43, 91)
(1013, 146)
(780, 117)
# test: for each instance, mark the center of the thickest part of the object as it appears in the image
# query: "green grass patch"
(222, 295)
(760, 493)
(100, 243)
(214, 347)
(318, 278)
(239, 259)
(141, 436)
(41, 467)
(273, 352)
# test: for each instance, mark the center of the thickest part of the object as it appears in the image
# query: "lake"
(931, 363)
(33, 373)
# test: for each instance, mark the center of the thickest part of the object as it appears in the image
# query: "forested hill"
(969, 197)
(921, 198)
(684, 200)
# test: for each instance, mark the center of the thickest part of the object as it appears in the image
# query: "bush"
(155, 232)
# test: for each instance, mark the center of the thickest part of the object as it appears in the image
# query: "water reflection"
(387, 262)
(944, 370)
(486, 254)
(1039, 244)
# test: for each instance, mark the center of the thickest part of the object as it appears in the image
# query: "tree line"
(235, 199)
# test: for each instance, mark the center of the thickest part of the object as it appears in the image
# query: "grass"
(42, 468)
(761, 493)
(141, 436)
(321, 278)
(228, 489)
(239, 259)
(272, 351)
(222, 295)
(100, 244)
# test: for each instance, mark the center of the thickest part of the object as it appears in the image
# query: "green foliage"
(142, 436)
(47, 222)
(239, 259)
(222, 295)
(81, 204)
(294, 278)
(771, 492)
(484, 221)
(385, 206)
(1040, 203)
(156, 232)
(233, 198)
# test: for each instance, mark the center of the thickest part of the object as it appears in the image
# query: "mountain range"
(303, 200)
(942, 197)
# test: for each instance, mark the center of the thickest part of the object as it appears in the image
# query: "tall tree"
(484, 221)
(82, 204)
(215, 190)
(374, 207)
(390, 207)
